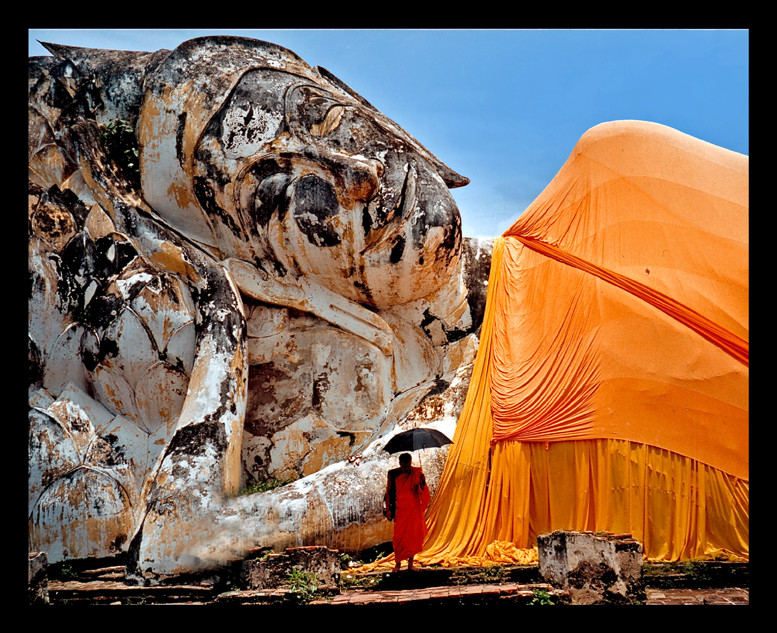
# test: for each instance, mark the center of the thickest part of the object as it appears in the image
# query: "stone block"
(596, 568)
(37, 579)
(270, 570)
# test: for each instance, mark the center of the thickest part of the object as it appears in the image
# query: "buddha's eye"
(330, 122)
(312, 111)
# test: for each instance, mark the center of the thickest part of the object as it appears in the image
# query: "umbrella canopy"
(416, 439)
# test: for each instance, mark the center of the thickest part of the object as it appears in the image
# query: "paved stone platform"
(477, 594)
(430, 587)
(525, 594)
(109, 593)
(724, 596)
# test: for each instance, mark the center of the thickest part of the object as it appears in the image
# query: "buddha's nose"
(450, 177)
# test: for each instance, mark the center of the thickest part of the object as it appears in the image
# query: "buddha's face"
(308, 179)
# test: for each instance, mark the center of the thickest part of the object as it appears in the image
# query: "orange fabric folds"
(611, 389)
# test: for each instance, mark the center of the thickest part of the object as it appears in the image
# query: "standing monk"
(405, 501)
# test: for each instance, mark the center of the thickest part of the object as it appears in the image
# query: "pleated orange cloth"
(611, 387)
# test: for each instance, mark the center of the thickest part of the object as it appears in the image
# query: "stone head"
(257, 156)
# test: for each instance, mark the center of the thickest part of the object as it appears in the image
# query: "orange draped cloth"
(411, 498)
(611, 388)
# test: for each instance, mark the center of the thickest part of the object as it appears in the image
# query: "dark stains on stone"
(366, 221)
(456, 334)
(51, 218)
(207, 199)
(273, 176)
(261, 379)
(257, 91)
(118, 74)
(598, 576)
(86, 269)
(217, 307)
(48, 87)
(320, 386)
(108, 348)
(315, 204)
(79, 260)
(364, 367)
(85, 101)
(99, 452)
(446, 217)
(266, 384)
(34, 189)
(270, 265)
(113, 254)
(427, 320)
(194, 439)
(439, 387)
(179, 132)
(34, 364)
(118, 543)
(351, 437)
(102, 310)
(176, 362)
(397, 250)
(117, 454)
(52, 205)
(363, 287)
(477, 264)
(450, 247)
(133, 555)
(259, 463)
(208, 164)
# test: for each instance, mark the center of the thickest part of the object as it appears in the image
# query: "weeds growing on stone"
(264, 486)
(121, 144)
(303, 585)
(541, 597)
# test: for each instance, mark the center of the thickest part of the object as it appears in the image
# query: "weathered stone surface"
(272, 570)
(37, 579)
(265, 278)
(595, 568)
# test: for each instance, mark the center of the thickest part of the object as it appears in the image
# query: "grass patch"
(541, 598)
(264, 486)
(121, 144)
(303, 585)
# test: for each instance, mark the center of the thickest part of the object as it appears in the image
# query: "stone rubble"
(722, 584)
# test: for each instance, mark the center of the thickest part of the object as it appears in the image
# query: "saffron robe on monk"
(407, 497)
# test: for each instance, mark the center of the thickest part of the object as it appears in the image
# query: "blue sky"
(505, 107)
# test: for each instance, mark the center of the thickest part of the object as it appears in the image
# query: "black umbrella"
(416, 439)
